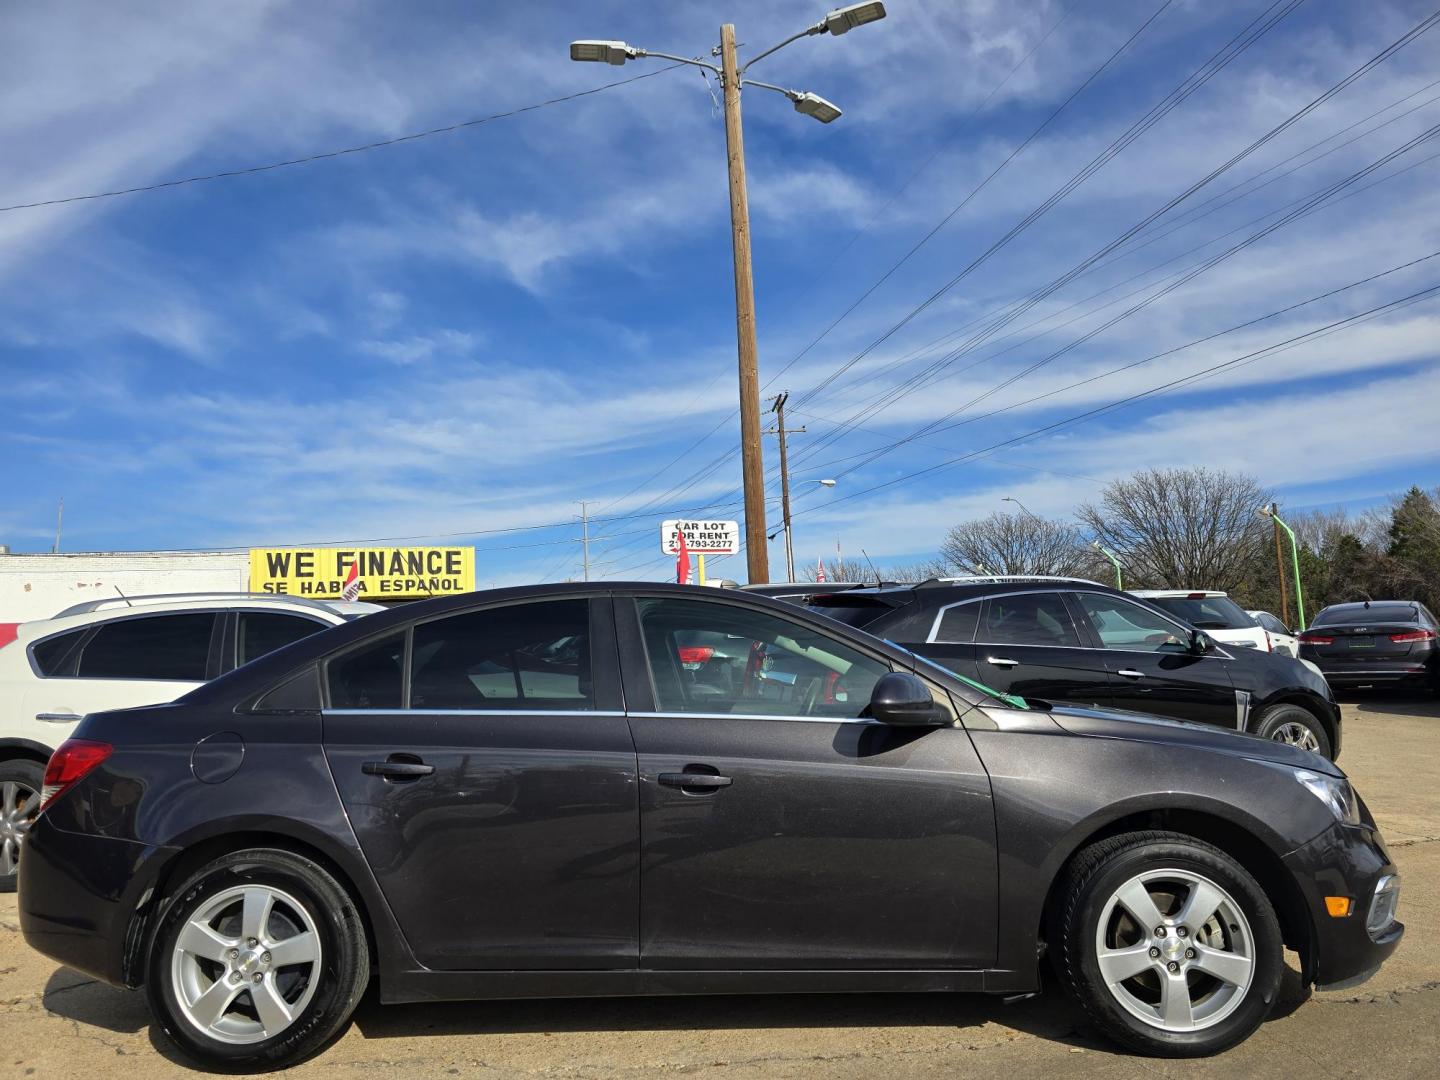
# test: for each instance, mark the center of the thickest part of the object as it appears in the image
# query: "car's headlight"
(1335, 792)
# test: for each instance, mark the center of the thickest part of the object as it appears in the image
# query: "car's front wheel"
(1296, 726)
(1171, 946)
(20, 783)
(260, 959)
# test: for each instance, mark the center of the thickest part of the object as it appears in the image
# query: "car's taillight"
(75, 759)
(1413, 635)
(695, 654)
(8, 632)
(1312, 637)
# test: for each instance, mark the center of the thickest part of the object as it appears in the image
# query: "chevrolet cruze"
(564, 791)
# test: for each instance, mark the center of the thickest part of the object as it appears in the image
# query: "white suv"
(115, 653)
(1214, 612)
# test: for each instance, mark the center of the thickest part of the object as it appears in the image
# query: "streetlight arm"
(678, 59)
(1294, 562)
(818, 28)
(791, 94)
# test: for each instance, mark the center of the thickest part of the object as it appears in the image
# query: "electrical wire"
(329, 154)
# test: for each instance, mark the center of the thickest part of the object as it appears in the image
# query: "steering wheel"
(812, 697)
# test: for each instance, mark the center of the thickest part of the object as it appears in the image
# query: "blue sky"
(469, 333)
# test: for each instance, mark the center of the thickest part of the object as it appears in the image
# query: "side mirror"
(1200, 642)
(901, 699)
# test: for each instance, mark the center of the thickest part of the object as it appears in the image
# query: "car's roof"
(1180, 594)
(939, 588)
(93, 611)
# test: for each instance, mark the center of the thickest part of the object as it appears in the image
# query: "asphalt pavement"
(55, 1023)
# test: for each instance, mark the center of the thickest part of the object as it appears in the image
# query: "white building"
(37, 586)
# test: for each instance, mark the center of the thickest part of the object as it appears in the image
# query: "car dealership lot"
(54, 1022)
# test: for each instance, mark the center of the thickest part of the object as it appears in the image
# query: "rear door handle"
(1130, 673)
(707, 781)
(1001, 661)
(397, 770)
(57, 717)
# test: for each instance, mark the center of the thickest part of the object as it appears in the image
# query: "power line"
(325, 155)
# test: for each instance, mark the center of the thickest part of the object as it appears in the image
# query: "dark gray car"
(540, 792)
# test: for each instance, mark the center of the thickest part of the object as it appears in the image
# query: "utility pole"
(585, 538)
(1280, 566)
(778, 408)
(752, 468)
(839, 21)
(59, 520)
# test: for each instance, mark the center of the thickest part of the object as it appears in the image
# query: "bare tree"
(1013, 544)
(1183, 528)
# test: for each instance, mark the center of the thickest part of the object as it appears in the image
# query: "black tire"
(1279, 717)
(343, 970)
(28, 778)
(1094, 877)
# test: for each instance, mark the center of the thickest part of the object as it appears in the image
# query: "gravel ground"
(56, 1023)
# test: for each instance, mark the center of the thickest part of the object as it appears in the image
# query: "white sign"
(701, 537)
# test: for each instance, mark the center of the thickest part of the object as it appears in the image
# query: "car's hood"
(1118, 724)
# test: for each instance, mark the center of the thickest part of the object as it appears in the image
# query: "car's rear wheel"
(1296, 726)
(260, 959)
(20, 783)
(1171, 947)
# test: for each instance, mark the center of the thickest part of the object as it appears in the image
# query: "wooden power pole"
(781, 430)
(1280, 568)
(757, 554)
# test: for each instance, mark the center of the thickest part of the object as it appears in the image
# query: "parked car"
(1282, 639)
(1375, 643)
(1070, 641)
(1212, 611)
(525, 793)
(797, 591)
(111, 653)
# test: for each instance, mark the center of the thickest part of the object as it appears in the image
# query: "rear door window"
(957, 624)
(56, 655)
(262, 632)
(161, 647)
(526, 657)
(370, 677)
(1028, 619)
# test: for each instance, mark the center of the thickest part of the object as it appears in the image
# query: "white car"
(119, 652)
(1214, 612)
(1282, 638)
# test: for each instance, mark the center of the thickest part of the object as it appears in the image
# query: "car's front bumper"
(1345, 861)
(78, 898)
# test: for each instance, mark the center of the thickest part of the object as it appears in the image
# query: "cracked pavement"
(55, 1023)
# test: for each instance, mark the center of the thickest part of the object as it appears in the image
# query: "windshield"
(1207, 612)
(1014, 701)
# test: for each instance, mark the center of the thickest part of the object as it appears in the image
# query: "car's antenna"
(122, 596)
(872, 565)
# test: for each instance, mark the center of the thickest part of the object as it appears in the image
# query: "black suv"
(1075, 642)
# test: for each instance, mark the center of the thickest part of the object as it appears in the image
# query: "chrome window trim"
(933, 639)
(759, 716)
(471, 712)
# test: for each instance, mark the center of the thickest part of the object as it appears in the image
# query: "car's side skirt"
(412, 986)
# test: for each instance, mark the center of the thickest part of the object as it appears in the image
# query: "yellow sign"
(383, 573)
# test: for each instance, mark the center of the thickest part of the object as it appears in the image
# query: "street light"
(1269, 511)
(1119, 584)
(1023, 508)
(786, 529)
(840, 21)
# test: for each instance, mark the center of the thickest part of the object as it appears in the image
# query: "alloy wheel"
(19, 807)
(1297, 735)
(1175, 950)
(246, 964)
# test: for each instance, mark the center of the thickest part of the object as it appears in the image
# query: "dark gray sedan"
(544, 792)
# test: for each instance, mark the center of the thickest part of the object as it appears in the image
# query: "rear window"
(1374, 613)
(1206, 613)
(161, 647)
(850, 610)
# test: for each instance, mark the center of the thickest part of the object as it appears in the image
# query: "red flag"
(351, 588)
(820, 570)
(682, 559)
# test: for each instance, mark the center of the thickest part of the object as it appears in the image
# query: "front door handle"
(1001, 661)
(1130, 673)
(57, 717)
(694, 781)
(397, 769)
